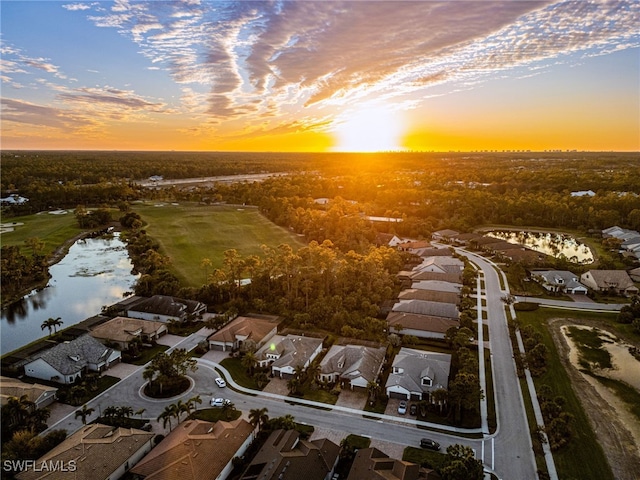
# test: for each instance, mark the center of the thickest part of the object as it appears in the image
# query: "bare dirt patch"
(617, 430)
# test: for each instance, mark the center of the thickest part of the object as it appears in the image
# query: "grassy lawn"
(423, 457)
(53, 230)
(190, 232)
(148, 353)
(319, 395)
(239, 373)
(215, 414)
(589, 344)
(583, 457)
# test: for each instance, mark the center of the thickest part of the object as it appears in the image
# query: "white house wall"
(42, 370)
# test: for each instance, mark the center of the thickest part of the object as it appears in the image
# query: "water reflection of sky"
(554, 244)
(95, 272)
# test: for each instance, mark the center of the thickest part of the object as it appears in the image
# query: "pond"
(96, 272)
(554, 244)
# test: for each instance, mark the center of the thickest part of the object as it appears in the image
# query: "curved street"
(508, 452)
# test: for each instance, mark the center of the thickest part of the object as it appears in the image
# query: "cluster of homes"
(629, 240)
(101, 347)
(197, 450)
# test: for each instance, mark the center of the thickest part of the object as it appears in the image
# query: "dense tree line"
(19, 271)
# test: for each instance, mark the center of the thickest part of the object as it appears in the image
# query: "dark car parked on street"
(430, 444)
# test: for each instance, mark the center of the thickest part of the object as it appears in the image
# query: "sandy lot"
(617, 429)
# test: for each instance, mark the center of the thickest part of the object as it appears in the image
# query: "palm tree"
(140, 412)
(227, 409)
(293, 384)
(373, 388)
(249, 360)
(84, 413)
(167, 414)
(261, 379)
(56, 323)
(47, 324)
(181, 408)
(125, 411)
(191, 404)
(258, 417)
(38, 419)
(110, 412)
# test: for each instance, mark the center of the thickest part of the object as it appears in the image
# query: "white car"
(219, 402)
(220, 382)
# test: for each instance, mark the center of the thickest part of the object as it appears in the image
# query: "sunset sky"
(320, 75)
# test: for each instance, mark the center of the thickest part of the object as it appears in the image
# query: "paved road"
(573, 305)
(508, 452)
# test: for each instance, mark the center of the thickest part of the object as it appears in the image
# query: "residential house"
(388, 239)
(411, 246)
(430, 295)
(614, 281)
(437, 286)
(123, 330)
(68, 361)
(635, 274)
(444, 235)
(95, 452)
(257, 328)
(422, 326)
(560, 281)
(163, 308)
(40, 395)
(422, 307)
(465, 238)
(583, 193)
(285, 353)
(285, 456)
(352, 365)
(197, 450)
(440, 264)
(373, 464)
(416, 374)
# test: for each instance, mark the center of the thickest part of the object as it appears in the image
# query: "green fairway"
(54, 230)
(188, 233)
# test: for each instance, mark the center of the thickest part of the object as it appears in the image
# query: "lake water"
(95, 272)
(554, 244)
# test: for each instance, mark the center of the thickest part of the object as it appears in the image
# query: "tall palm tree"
(191, 404)
(56, 323)
(167, 414)
(258, 417)
(373, 388)
(227, 409)
(140, 412)
(37, 421)
(47, 324)
(181, 408)
(84, 413)
(249, 360)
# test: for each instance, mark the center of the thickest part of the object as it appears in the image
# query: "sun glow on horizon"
(369, 129)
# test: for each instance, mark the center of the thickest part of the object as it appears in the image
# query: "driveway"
(121, 370)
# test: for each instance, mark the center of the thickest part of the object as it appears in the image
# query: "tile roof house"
(437, 286)
(96, 452)
(446, 234)
(417, 276)
(425, 307)
(197, 450)
(617, 281)
(416, 374)
(373, 464)
(440, 264)
(429, 295)
(40, 395)
(284, 456)
(422, 326)
(355, 365)
(67, 361)
(124, 330)
(560, 281)
(635, 274)
(258, 328)
(163, 308)
(284, 354)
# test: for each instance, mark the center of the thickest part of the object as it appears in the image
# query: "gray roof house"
(416, 374)
(437, 286)
(560, 281)
(426, 307)
(355, 365)
(67, 361)
(285, 353)
(423, 326)
(163, 308)
(616, 281)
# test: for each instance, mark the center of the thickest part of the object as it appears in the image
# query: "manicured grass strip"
(239, 373)
(149, 353)
(53, 230)
(215, 414)
(189, 232)
(424, 458)
(583, 457)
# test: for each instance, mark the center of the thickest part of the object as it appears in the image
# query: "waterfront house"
(121, 331)
(560, 281)
(257, 328)
(163, 308)
(609, 281)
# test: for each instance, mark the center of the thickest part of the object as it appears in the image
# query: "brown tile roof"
(430, 295)
(372, 464)
(254, 328)
(11, 387)
(194, 450)
(444, 277)
(284, 456)
(413, 321)
(98, 450)
(125, 329)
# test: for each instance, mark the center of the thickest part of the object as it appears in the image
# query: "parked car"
(219, 402)
(220, 382)
(430, 444)
(402, 407)
(413, 409)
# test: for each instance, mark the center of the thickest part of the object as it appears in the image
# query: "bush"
(525, 307)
